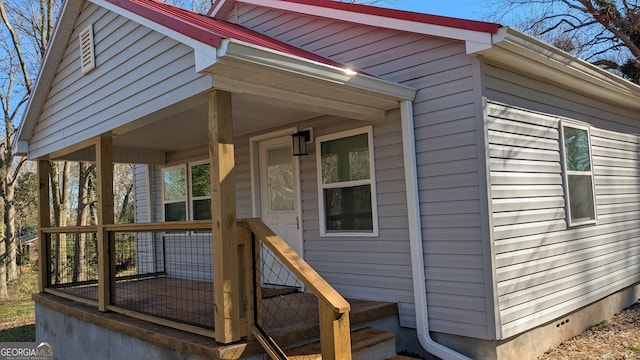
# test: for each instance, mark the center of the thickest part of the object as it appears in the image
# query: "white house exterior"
(483, 228)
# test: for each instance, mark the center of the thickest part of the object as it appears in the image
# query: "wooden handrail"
(311, 279)
(156, 226)
(333, 309)
(69, 229)
(161, 226)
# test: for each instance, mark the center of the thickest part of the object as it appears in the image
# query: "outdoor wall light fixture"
(300, 140)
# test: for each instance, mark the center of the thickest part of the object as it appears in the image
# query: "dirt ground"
(614, 339)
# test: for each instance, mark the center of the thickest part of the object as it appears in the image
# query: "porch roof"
(212, 31)
(241, 61)
(475, 34)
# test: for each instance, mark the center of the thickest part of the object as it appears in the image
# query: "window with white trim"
(346, 183)
(578, 174)
(187, 192)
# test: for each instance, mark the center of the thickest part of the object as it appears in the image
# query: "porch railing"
(72, 262)
(159, 272)
(163, 273)
(279, 269)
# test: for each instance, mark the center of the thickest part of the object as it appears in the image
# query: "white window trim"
(186, 198)
(189, 197)
(566, 173)
(371, 181)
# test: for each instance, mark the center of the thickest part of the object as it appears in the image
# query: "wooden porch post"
(223, 211)
(44, 221)
(104, 175)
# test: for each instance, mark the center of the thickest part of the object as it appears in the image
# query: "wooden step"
(366, 344)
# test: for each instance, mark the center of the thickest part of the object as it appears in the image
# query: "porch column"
(223, 212)
(44, 221)
(104, 175)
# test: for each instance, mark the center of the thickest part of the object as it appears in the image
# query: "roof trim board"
(205, 51)
(166, 18)
(231, 41)
(512, 46)
(246, 52)
(63, 30)
(476, 34)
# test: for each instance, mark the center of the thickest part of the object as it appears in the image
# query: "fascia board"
(242, 51)
(474, 37)
(549, 62)
(219, 7)
(52, 56)
(205, 54)
(302, 101)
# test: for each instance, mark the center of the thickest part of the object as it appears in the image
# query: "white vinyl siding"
(138, 72)
(458, 280)
(544, 268)
(142, 204)
(364, 267)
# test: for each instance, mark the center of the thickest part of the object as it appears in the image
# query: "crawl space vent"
(87, 57)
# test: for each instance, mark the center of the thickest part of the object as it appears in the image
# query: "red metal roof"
(451, 22)
(209, 30)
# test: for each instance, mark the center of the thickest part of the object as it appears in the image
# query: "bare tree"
(25, 32)
(86, 172)
(604, 32)
(59, 177)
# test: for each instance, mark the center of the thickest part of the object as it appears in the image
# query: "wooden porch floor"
(286, 312)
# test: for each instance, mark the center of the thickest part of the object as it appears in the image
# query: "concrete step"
(366, 344)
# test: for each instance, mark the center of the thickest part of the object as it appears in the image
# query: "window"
(346, 189)
(578, 175)
(187, 192)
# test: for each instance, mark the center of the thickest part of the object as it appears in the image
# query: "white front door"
(279, 203)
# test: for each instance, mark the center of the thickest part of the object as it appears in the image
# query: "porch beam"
(44, 221)
(223, 211)
(104, 175)
(308, 102)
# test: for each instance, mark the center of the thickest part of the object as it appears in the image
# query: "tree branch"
(16, 46)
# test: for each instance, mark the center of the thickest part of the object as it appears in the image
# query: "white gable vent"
(87, 57)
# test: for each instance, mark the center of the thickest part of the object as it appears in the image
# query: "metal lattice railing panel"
(73, 263)
(166, 275)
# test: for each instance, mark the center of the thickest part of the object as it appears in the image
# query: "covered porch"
(210, 273)
(234, 281)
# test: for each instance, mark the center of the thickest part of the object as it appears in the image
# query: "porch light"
(300, 140)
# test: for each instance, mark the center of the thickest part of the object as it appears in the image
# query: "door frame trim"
(254, 155)
(254, 158)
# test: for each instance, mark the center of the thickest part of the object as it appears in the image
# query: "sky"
(466, 9)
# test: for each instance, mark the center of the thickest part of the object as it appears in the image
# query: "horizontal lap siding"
(141, 199)
(376, 268)
(446, 140)
(544, 269)
(138, 71)
(450, 200)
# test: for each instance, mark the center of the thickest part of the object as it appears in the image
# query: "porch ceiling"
(185, 124)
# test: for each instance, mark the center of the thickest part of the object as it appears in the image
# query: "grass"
(17, 314)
